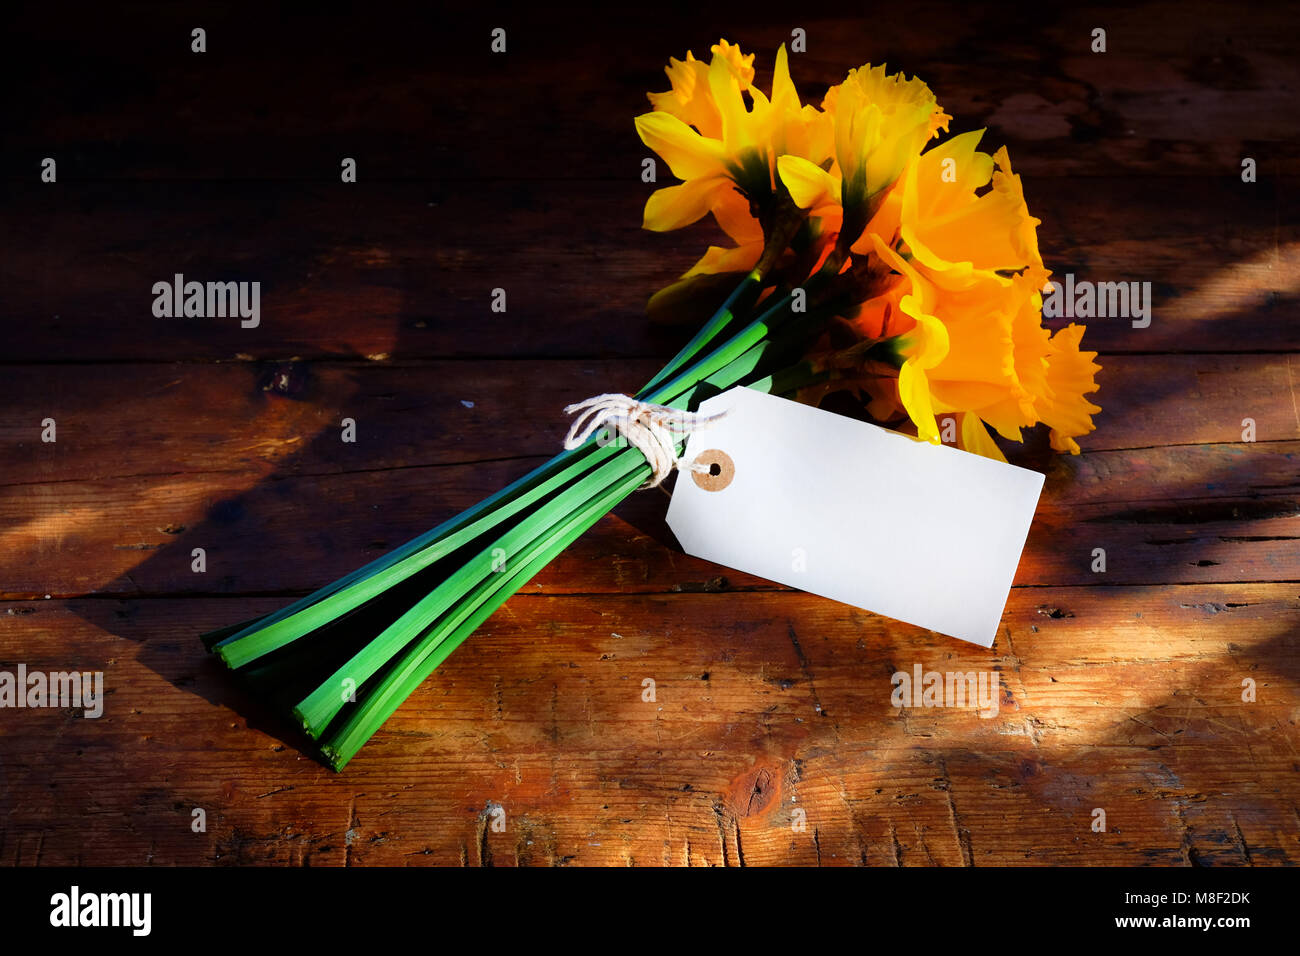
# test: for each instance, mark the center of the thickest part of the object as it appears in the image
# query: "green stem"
(561, 521)
(439, 642)
(737, 303)
(353, 590)
(575, 488)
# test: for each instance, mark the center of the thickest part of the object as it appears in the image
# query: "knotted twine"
(647, 427)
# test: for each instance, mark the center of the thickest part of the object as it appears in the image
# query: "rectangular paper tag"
(927, 534)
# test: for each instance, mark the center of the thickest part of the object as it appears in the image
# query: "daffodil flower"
(964, 316)
(725, 151)
(880, 122)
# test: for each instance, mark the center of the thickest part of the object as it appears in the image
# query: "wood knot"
(754, 792)
(284, 378)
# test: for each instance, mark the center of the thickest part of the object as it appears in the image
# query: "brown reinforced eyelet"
(721, 470)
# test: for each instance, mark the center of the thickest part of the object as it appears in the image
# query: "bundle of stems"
(345, 657)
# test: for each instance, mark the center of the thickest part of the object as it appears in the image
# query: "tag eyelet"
(721, 469)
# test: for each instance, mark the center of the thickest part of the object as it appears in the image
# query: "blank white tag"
(927, 534)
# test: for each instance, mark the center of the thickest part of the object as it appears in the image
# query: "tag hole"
(716, 470)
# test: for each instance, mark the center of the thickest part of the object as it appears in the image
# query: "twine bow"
(647, 427)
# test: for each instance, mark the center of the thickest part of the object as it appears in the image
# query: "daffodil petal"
(675, 206)
(926, 344)
(732, 211)
(784, 95)
(914, 393)
(810, 186)
(731, 107)
(688, 154)
(1071, 374)
(716, 259)
(974, 437)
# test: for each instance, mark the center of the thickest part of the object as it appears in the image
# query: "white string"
(647, 427)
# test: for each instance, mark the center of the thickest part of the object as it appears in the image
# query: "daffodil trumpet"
(866, 257)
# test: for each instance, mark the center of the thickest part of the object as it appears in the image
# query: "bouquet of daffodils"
(870, 254)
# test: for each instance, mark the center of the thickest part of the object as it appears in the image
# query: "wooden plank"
(1191, 87)
(285, 418)
(407, 269)
(135, 535)
(764, 703)
(213, 460)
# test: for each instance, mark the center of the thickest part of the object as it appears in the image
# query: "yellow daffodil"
(975, 256)
(881, 122)
(723, 150)
(965, 312)
(954, 233)
(690, 99)
(940, 239)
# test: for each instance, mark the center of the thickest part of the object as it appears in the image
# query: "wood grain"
(351, 272)
(1128, 699)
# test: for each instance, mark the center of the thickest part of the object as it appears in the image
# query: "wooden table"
(1121, 691)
